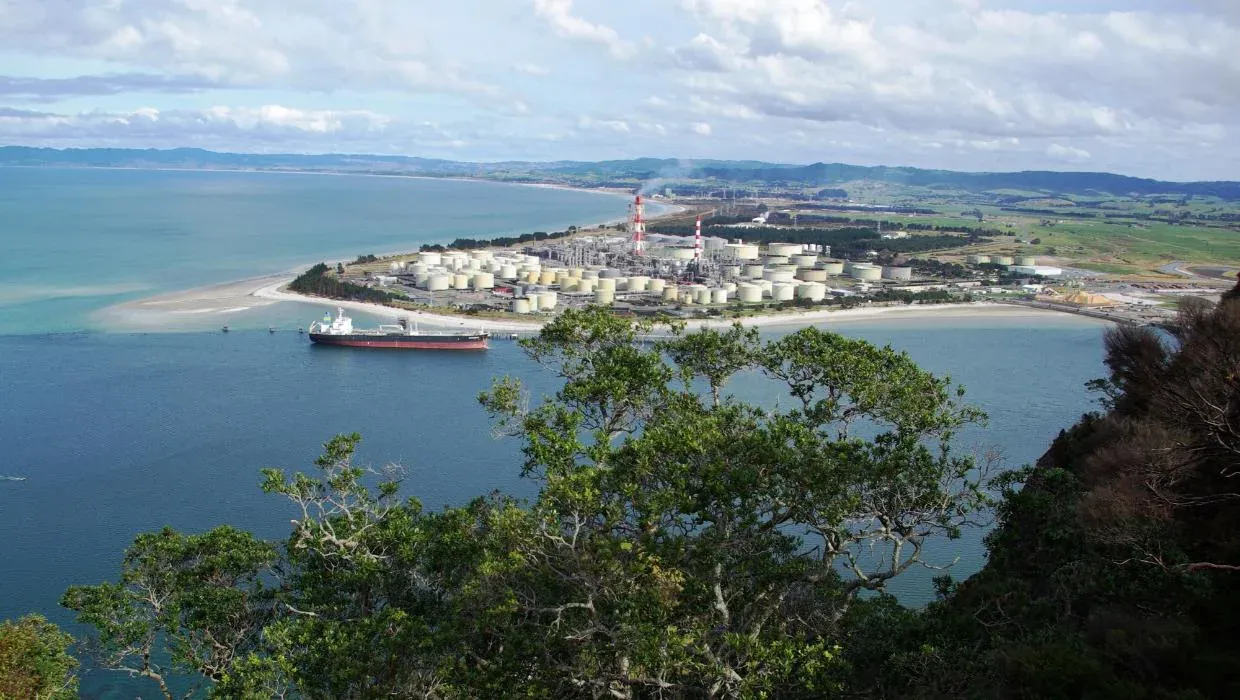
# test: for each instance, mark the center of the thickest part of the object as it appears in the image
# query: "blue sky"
(1144, 87)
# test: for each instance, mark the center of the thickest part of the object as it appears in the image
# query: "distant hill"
(622, 172)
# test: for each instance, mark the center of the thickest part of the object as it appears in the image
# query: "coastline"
(781, 320)
(207, 308)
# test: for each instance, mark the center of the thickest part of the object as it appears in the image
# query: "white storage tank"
(430, 259)
(686, 296)
(978, 259)
(609, 274)
(494, 267)
(777, 260)
(508, 272)
(811, 274)
(590, 275)
(481, 254)
(604, 297)
(484, 280)
(833, 267)
(782, 274)
(638, 283)
(743, 251)
(718, 296)
(1002, 260)
(749, 293)
(803, 260)
(533, 299)
(784, 249)
(868, 273)
(730, 287)
(671, 293)
(656, 286)
(395, 267)
(814, 291)
(576, 273)
(1026, 261)
(438, 282)
(532, 260)
(419, 269)
(475, 264)
(607, 283)
(898, 273)
(546, 277)
(520, 306)
(783, 291)
(765, 285)
(587, 286)
(420, 278)
(547, 301)
(754, 272)
(701, 295)
(460, 281)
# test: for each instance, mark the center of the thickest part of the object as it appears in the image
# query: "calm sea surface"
(123, 433)
(75, 240)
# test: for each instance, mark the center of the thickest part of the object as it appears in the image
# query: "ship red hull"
(404, 343)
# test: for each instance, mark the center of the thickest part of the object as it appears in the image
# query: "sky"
(1141, 87)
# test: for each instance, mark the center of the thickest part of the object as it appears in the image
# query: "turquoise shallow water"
(73, 241)
(123, 433)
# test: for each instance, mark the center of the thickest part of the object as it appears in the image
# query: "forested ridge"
(683, 544)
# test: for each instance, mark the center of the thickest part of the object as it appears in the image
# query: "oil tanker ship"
(340, 331)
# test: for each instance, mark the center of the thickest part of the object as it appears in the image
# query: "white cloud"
(559, 15)
(1069, 154)
(531, 69)
(701, 129)
(1003, 84)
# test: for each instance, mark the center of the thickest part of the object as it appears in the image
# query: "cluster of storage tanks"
(781, 272)
(792, 262)
(1022, 260)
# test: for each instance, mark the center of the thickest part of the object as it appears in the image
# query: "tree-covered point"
(318, 281)
(499, 242)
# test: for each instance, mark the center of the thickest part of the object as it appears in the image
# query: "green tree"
(35, 663)
(681, 544)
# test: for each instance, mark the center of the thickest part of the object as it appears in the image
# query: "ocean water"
(73, 241)
(120, 433)
(123, 433)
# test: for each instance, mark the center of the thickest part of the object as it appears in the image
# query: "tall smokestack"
(697, 240)
(639, 227)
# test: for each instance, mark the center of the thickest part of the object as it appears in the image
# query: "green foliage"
(1112, 573)
(35, 663)
(317, 282)
(679, 545)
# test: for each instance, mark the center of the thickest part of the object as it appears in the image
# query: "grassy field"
(1124, 245)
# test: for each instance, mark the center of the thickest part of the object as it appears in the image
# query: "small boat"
(225, 329)
(402, 336)
(12, 478)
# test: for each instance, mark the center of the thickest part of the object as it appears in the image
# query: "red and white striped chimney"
(697, 240)
(639, 227)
